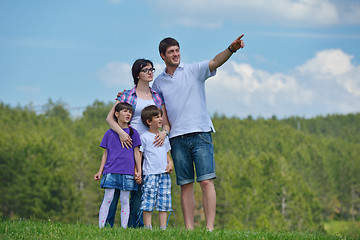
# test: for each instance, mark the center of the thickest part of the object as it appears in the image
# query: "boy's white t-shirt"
(155, 158)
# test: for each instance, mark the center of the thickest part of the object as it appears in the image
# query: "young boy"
(157, 167)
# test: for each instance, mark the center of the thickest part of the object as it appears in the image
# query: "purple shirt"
(119, 160)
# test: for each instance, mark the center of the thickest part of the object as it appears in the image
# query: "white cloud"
(332, 62)
(334, 66)
(29, 89)
(349, 11)
(241, 90)
(328, 83)
(212, 13)
(116, 74)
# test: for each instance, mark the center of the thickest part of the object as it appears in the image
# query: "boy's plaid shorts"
(156, 192)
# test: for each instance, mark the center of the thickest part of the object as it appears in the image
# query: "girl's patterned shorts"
(156, 193)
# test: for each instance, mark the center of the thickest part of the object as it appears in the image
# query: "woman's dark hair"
(137, 66)
(149, 112)
(167, 42)
(123, 105)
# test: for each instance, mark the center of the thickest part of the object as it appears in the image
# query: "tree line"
(292, 173)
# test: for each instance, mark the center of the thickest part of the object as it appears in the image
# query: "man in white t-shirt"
(182, 86)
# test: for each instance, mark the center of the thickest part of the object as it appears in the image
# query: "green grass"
(345, 227)
(35, 229)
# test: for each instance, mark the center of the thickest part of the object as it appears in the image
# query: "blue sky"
(301, 57)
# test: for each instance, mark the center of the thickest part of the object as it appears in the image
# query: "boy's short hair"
(166, 43)
(148, 113)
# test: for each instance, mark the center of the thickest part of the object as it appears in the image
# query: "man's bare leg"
(209, 202)
(188, 204)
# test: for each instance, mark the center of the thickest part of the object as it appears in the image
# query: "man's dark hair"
(167, 42)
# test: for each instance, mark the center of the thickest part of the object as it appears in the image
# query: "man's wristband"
(231, 50)
(167, 132)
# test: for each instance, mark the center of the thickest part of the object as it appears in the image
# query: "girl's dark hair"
(137, 66)
(167, 42)
(123, 105)
(149, 112)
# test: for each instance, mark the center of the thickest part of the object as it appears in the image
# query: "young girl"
(117, 167)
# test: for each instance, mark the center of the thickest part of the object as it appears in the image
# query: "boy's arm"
(97, 176)
(170, 165)
(138, 157)
(125, 139)
(222, 57)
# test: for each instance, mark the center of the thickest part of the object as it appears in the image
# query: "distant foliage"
(272, 174)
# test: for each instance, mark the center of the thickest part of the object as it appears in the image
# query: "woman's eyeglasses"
(147, 70)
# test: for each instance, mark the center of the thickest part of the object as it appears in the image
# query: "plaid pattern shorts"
(156, 193)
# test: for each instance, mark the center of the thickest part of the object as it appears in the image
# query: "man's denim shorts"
(193, 149)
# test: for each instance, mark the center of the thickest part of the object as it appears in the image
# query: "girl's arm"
(160, 137)
(97, 176)
(170, 165)
(138, 157)
(125, 139)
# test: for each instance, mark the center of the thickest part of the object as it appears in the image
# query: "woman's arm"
(125, 139)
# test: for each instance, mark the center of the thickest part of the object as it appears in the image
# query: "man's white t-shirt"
(185, 99)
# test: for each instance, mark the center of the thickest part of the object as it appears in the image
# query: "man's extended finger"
(240, 37)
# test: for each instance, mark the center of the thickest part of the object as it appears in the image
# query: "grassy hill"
(32, 229)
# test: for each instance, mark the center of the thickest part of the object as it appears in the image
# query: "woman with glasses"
(140, 96)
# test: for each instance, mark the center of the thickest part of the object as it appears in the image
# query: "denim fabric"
(136, 218)
(193, 149)
(118, 181)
